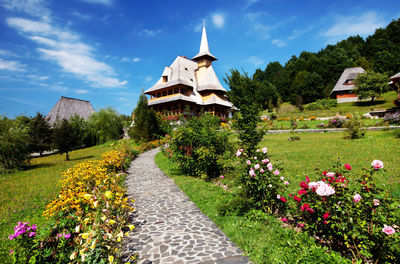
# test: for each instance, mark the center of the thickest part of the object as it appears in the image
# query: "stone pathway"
(169, 227)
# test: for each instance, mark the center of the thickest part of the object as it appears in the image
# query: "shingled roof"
(349, 74)
(67, 107)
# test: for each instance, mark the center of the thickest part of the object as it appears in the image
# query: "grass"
(24, 194)
(312, 124)
(262, 239)
(386, 101)
(316, 152)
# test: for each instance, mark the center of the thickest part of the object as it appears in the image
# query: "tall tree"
(65, 137)
(146, 124)
(371, 85)
(243, 96)
(106, 125)
(40, 132)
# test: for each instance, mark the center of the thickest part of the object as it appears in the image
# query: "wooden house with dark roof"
(67, 107)
(189, 86)
(343, 90)
(395, 85)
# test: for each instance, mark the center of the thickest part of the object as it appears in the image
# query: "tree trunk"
(66, 154)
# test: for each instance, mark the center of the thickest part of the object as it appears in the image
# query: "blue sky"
(107, 51)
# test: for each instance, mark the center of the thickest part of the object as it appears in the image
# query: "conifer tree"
(66, 138)
(146, 125)
(40, 132)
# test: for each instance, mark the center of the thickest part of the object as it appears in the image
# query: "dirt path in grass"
(169, 227)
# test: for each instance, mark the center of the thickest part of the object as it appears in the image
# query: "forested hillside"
(312, 76)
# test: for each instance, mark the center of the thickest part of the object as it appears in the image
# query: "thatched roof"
(345, 81)
(67, 107)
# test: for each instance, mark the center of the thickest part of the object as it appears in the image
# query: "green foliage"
(266, 94)
(86, 135)
(243, 96)
(66, 137)
(106, 125)
(371, 85)
(146, 125)
(321, 104)
(354, 128)
(396, 133)
(201, 147)
(40, 132)
(307, 85)
(14, 145)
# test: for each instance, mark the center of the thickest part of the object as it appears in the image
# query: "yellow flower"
(131, 227)
(85, 235)
(95, 204)
(77, 228)
(93, 245)
(87, 196)
(111, 259)
(73, 255)
(108, 194)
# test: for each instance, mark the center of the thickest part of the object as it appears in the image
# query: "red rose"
(324, 173)
(310, 210)
(304, 185)
(284, 219)
(308, 179)
(302, 191)
(347, 166)
(325, 222)
(326, 215)
(296, 198)
(283, 199)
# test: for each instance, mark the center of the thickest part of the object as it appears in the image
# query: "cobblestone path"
(169, 227)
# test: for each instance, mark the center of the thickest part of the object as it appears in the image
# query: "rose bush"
(358, 219)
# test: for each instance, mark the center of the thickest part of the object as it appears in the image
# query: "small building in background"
(67, 107)
(343, 90)
(190, 86)
(395, 85)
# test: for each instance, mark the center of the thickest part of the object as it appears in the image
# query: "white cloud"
(35, 8)
(103, 2)
(218, 20)
(355, 25)
(127, 59)
(66, 49)
(149, 32)
(298, 32)
(7, 53)
(11, 65)
(136, 59)
(255, 60)
(279, 43)
(81, 91)
(148, 78)
(81, 15)
(249, 3)
(43, 78)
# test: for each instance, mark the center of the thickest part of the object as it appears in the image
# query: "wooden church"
(189, 86)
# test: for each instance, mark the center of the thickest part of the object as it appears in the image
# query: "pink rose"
(282, 178)
(264, 150)
(284, 219)
(257, 166)
(330, 174)
(377, 164)
(388, 230)
(265, 161)
(324, 189)
(276, 172)
(222, 176)
(248, 162)
(356, 198)
(251, 172)
(278, 196)
(347, 166)
(269, 166)
(300, 225)
(238, 153)
(261, 170)
(376, 202)
(255, 158)
(286, 183)
(258, 150)
(313, 185)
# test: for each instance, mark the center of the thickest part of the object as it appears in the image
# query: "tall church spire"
(204, 52)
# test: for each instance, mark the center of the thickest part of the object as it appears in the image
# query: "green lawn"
(386, 101)
(312, 124)
(24, 194)
(262, 239)
(316, 152)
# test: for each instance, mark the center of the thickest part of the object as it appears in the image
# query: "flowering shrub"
(261, 181)
(23, 235)
(200, 147)
(358, 219)
(336, 122)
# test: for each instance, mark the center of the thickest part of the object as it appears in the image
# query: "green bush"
(14, 145)
(321, 104)
(200, 146)
(106, 125)
(354, 128)
(396, 133)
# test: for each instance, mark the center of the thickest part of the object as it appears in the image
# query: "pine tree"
(40, 132)
(66, 138)
(146, 125)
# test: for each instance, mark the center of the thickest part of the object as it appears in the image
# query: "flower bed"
(88, 218)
